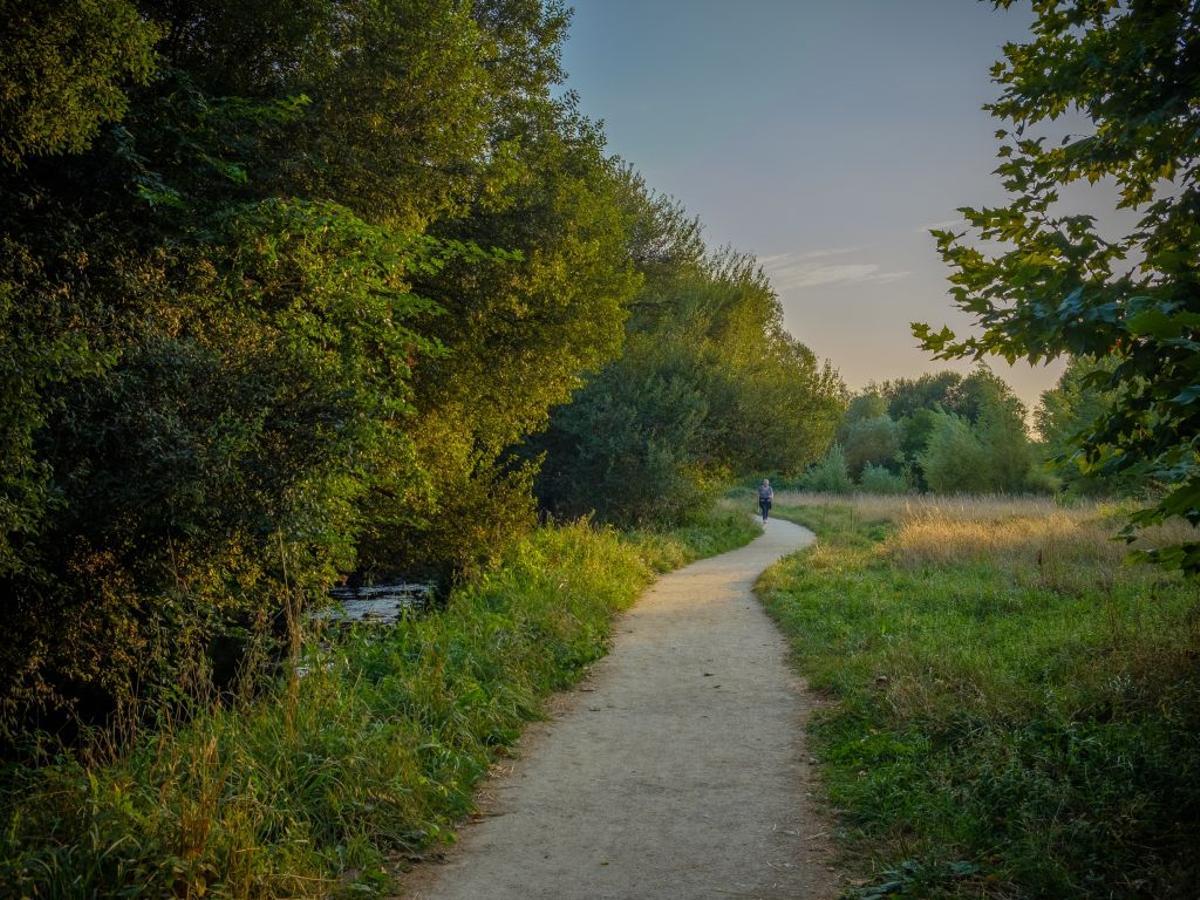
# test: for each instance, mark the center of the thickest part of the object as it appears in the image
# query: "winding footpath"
(677, 769)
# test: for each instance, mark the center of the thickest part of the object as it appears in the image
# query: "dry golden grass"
(1066, 547)
(895, 507)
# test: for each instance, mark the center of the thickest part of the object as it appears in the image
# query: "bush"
(955, 460)
(879, 480)
(830, 475)
(1041, 481)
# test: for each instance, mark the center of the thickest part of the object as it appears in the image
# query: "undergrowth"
(1016, 710)
(317, 787)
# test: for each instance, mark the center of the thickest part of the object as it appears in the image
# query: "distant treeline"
(951, 434)
(290, 291)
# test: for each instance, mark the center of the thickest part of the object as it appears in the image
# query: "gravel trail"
(676, 769)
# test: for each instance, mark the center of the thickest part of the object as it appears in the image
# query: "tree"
(874, 441)
(311, 269)
(1070, 409)
(870, 404)
(932, 390)
(1001, 431)
(955, 460)
(709, 384)
(64, 73)
(829, 474)
(629, 447)
(1131, 70)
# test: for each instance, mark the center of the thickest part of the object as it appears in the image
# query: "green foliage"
(715, 531)
(237, 402)
(377, 751)
(992, 456)
(64, 72)
(999, 728)
(1066, 412)
(1061, 287)
(829, 475)
(250, 340)
(870, 404)
(955, 459)
(906, 397)
(880, 480)
(870, 442)
(970, 432)
(1001, 429)
(624, 446)
(709, 385)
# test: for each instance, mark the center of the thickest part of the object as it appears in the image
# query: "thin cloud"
(794, 271)
(948, 225)
(781, 259)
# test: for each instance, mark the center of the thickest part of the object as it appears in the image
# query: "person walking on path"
(766, 494)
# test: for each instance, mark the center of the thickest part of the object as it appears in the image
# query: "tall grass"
(1017, 708)
(321, 785)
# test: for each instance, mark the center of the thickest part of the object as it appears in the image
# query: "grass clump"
(721, 529)
(317, 787)
(1018, 710)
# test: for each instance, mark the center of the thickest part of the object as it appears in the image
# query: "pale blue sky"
(822, 136)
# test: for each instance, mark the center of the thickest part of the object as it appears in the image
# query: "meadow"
(324, 785)
(1014, 707)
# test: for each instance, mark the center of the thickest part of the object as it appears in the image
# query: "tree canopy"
(286, 291)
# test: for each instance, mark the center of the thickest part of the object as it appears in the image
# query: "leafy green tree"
(955, 460)
(992, 454)
(915, 430)
(829, 474)
(710, 384)
(520, 332)
(932, 390)
(1070, 410)
(1063, 287)
(873, 441)
(627, 448)
(870, 404)
(1001, 430)
(64, 72)
(250, 339)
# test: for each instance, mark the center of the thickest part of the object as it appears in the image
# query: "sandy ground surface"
(676, 769)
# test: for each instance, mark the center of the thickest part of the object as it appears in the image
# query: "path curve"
(676, 769)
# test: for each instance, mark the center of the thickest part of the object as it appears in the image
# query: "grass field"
(322, 786)
(1015, 710)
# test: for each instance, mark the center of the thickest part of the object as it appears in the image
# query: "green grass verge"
(310, 791)
(721, 530)
(995, 732)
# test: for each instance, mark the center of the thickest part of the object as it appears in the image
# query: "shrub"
(955, 460)
(880, 480)
(830, 475)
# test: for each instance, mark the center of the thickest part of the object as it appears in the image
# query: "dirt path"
(677, 770)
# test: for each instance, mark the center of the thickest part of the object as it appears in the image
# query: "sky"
(823, 136)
